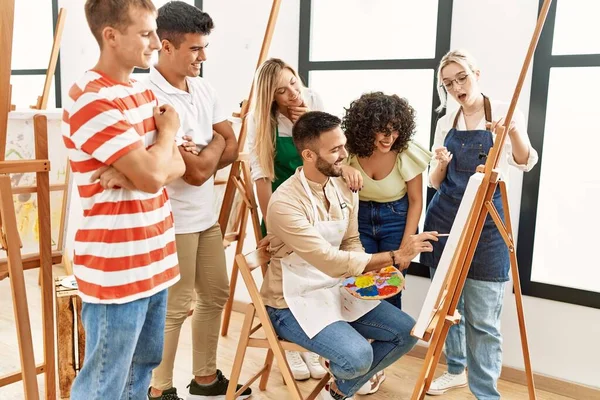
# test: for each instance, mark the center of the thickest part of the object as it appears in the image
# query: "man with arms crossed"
(184, 31)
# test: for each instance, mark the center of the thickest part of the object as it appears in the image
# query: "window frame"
(442, 46)
(543, 62)
(43, 71)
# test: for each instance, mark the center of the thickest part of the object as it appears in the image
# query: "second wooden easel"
(446, 315)
(240, 180)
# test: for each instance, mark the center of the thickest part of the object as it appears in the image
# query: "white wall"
(562, 337)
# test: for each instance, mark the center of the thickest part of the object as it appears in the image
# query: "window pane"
(27, 88)
(339, 88)
(373, 30)
(567, 210)
(32, 34)
(577, 29)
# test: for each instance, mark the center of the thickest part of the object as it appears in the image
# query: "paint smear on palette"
(375, 285)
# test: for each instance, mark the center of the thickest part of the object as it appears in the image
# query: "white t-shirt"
(313, 102)
(198, 111)
(499, 110)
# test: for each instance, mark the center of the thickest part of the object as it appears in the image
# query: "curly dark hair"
(374, 113)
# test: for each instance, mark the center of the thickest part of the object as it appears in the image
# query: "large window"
(349, 47)
(33, 34)
(559, 213)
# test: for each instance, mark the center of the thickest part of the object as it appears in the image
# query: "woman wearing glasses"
(462, 141)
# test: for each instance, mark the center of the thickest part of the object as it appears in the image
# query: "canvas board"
(437, 284)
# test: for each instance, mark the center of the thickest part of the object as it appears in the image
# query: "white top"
(198, 111)
(314, 103)
(499, 110)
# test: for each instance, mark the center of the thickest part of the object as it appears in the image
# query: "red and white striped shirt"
(125, 245)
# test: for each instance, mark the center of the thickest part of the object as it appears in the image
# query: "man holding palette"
(314, 242)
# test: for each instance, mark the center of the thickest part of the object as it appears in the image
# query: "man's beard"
(328, 169)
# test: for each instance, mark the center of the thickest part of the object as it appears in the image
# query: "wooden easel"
(9, 236)
(42, 100)
(240, 180)
(446, 314)
(41, 104)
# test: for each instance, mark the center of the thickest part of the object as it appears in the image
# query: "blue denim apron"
(469, 148)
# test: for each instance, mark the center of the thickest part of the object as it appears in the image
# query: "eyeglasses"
(461, 80)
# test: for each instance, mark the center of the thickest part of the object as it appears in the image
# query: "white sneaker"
(372, 384)
(314, 366)
(325, 395)
(447, 382)
(297, 365)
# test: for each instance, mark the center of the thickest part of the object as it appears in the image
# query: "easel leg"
(239, 248)
(228, 197)
(514, 267)
(432, 358)
(17, 283)
(40, 124)
(248, 205)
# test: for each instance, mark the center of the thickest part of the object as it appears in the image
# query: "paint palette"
(375, 285)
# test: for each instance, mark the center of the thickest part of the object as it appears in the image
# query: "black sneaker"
(168, 394)
(216, 391)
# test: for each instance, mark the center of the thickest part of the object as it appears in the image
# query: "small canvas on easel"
(20, 146)
(432, 300)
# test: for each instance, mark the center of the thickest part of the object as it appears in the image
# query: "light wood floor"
(400, 381)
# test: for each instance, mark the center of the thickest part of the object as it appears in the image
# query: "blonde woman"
(279, 100)
(462, 141)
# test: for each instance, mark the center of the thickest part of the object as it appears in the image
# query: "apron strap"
(309, 194)
(487, 109)
(455, 124)
(343, 205)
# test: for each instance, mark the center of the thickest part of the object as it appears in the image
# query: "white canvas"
(429, 306)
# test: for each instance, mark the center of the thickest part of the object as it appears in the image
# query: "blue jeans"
(476, 342)
(381, 228)
(353, 360)
(123, 344)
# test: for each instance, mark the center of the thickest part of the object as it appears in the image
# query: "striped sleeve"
(100, 129)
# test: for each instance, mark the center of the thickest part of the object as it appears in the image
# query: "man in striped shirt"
(122, 153)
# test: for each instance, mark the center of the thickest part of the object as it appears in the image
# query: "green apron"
(287, 160)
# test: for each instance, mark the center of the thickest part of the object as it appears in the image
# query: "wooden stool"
(68, 304)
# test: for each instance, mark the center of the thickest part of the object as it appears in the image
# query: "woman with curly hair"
(379, 129)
